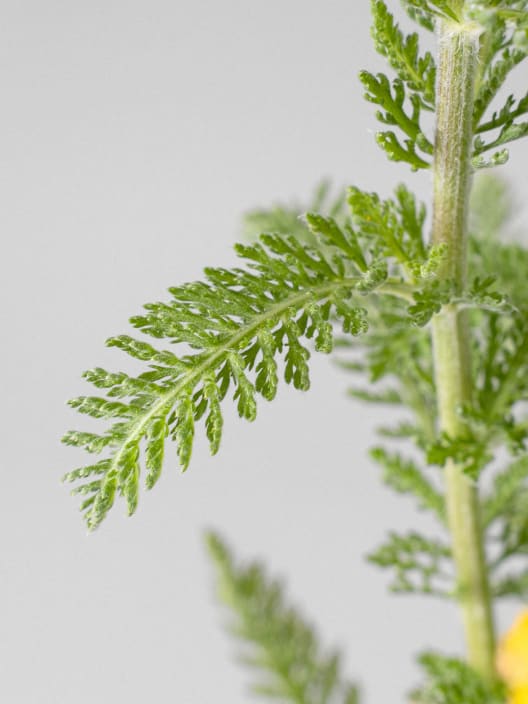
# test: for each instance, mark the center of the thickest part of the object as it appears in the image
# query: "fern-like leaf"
(426, 12)
(286, 219)
(405, 477)
(280, 646)
(495, 76)
(452, 681)
(417, 72)
(511, 586)
(507, 487)
(500, 53)
(392, 98)
(233, 327)
(420, 564)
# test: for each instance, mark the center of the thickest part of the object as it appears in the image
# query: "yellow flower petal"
(519, 695)
(512, 658)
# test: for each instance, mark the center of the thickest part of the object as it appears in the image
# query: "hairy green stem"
(457, 70)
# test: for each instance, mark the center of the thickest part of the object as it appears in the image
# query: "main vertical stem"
(457, 67)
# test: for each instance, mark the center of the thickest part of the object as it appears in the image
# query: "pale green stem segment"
(457, 69)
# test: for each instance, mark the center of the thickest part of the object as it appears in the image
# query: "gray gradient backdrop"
(133, 135)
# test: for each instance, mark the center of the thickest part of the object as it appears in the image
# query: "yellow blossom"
(512, 659)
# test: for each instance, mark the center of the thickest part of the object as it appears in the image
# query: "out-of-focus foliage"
(278, 645)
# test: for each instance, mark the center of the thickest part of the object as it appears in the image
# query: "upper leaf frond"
(400, 109)
(428, 12)
(233, 326)
(417, 72)
(503, 47)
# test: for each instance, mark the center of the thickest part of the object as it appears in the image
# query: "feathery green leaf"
(452, 681)
(417, 72)
(421, 565)
(403, 476)
(281, 648)
(233, 327)
(392, 99)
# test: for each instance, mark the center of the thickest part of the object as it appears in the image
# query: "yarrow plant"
(433, 319)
